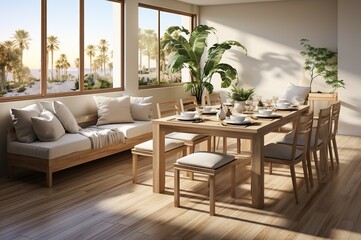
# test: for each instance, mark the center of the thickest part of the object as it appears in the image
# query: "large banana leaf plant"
(183, 53)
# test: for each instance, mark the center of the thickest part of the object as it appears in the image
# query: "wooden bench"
(49, 166)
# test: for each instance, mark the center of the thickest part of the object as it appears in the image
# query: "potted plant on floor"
(239, 97)
(184, 53)
(321, 63)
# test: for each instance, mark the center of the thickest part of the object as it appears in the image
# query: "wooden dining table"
(255, 131)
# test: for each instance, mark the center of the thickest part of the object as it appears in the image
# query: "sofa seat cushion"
(131, 130)
(69, 143)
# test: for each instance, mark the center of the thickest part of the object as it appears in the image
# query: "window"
(152, 61)
(72, 47)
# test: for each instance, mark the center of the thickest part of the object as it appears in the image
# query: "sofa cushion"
(113, 110)
(63, 113)
(22, 122)
(131, 130)
(296, 94)
(69, 143)
(141, 108)
(47, 127)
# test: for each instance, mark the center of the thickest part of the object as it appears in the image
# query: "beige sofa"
(72, 149)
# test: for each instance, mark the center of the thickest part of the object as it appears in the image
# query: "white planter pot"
(239, 106)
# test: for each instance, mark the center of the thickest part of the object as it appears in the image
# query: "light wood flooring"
(98, 201)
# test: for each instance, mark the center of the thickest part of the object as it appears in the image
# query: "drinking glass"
(269, 102)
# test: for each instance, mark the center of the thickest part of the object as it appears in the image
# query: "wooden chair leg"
(209, 145)
(315, 159)
(335, 149)
(331, 155)
(294, 182)
(304, 166)
(309, 166)
(212, 205)
(225, 146)
(238, 145)
(190, 175)
(270, 168)
(176, 188)
(49, 179)
(135, 168)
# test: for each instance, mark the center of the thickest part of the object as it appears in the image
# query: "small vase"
(221, 115)
(239, 106)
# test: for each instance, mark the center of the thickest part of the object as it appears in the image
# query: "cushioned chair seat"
(288, 139)
(280, 151)
(210, 160)
(131, 130)
(69, 143)
(169, 145)
(185, 136)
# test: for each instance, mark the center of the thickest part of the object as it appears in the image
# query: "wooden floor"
(98, 201)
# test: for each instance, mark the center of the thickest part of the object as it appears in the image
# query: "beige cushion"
(67, 144)
(170, 144)
(64, 115)
(113, 110)
(47, 127)
(296, 94)
(131, 130)
(210, 160)
(141, 108)
(280, 151)
(184, 136)
(22, 122)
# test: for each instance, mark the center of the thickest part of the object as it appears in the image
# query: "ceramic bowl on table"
(188, 114)
(283, 105)
(207, 108)
(238, 117)
(265, 112)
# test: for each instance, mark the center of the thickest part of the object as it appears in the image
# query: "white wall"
(80, 105)
(349, 40)
(271, 31)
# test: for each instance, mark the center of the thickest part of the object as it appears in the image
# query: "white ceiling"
(219, 2)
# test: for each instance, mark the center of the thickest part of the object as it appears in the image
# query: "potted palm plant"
(188, 53)
(239, 96)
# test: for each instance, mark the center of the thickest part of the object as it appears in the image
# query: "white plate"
(237, 122)
(187, 119)
(273, 115)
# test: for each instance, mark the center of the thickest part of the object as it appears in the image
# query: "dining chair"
(335, 115)
(188, 103)
(169, 108)
(210, 164)
(292, 154)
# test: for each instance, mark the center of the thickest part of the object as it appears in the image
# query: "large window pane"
(167, 20)
(102, 44)
(20, 48)
(62, 45)
(147, 46)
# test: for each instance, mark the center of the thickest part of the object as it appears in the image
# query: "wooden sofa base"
(49, 166)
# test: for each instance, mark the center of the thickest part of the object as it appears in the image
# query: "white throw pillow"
(47, 127)
(296, 94)
(22, 122)
(64, 115)
(141, 111)
(113, 110)
(141, 108)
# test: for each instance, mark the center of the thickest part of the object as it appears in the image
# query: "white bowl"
(207, 108)
(282, 100)
(265, 112)
(283, 105)
(188, 114)
(237, 117)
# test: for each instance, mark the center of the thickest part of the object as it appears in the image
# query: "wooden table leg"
(158, 159)
(257, 172)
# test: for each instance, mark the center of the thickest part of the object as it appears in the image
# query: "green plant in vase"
(321, 62)
(184, 53)
(239, 97)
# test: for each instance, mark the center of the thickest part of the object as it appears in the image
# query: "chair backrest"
(188, 104)
(212, 99)
(168, 108)
(335, 115)
(323, 126)
(304, 130)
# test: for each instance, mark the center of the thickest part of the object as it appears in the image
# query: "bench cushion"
(131, 130)
(211, 160)
(67, 144)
